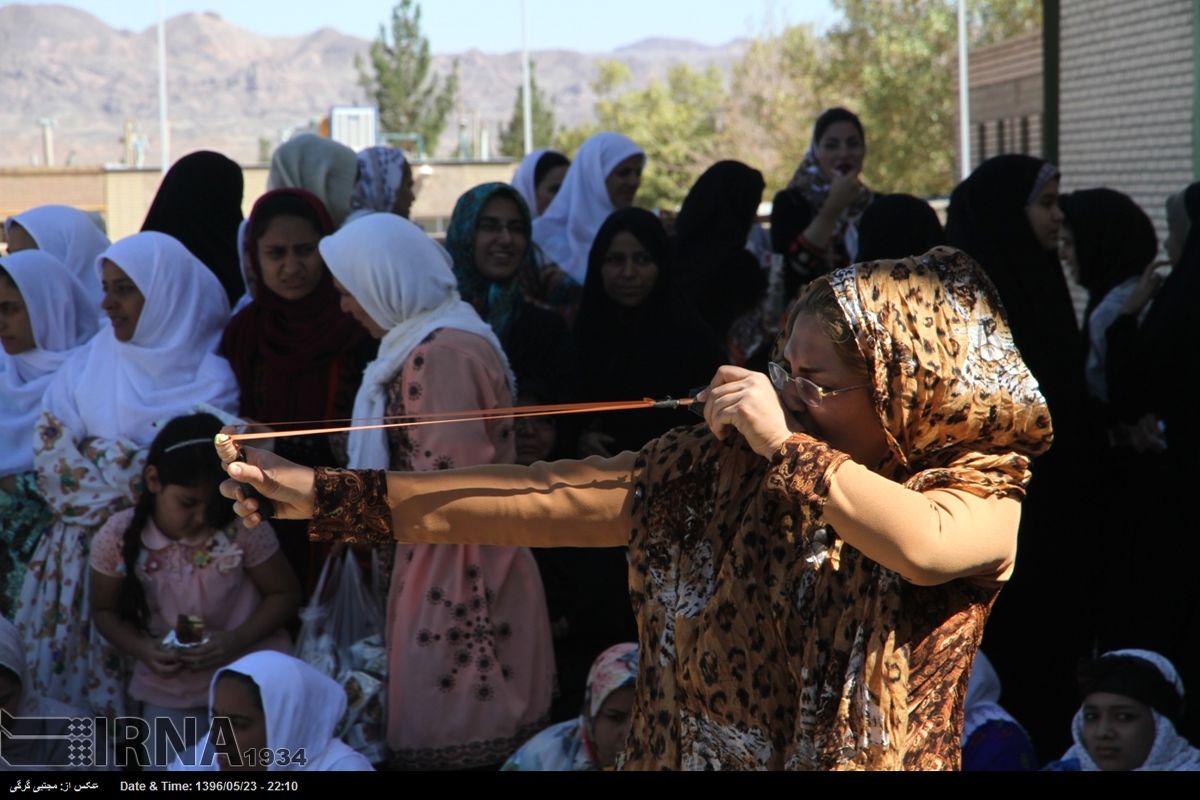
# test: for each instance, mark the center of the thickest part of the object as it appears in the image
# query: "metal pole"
(964, 94)
(525, 82)
(164, 132)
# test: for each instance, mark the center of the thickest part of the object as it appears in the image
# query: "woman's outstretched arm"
(583, 503)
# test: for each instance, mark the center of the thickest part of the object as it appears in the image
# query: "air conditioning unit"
(356, 127)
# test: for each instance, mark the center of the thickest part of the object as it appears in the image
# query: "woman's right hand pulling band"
(290, 486)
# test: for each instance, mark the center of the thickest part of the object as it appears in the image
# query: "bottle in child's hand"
(189, 629)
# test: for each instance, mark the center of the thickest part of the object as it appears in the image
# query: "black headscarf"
(660, 348)
(715, 271)
(1114, 239)
(1166, 360)
(1131, 676)
(898, 226)
(200, 203)
(987, 219)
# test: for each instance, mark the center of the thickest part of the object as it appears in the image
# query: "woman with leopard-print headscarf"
(812, 568)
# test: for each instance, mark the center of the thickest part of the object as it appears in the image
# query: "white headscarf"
(524, 180)
(380, 176)
(115, 389)
(302, 707)
(63, 317)
(566, 230)
(322, 166)
(248, 295)
(68, 234)
(983, 698)
(1170, 751)
(404, 281)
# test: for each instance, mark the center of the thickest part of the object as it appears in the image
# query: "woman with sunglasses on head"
(811, 569)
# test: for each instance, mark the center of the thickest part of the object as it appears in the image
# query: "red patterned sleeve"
(351, 506)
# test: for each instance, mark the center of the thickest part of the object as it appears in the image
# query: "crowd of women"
(759, 588)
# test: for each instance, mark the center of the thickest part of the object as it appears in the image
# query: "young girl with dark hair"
(174, 557)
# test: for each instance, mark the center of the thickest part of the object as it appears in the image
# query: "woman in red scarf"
(296, 355)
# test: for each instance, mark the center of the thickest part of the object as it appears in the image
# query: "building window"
(1001, 143)
(1025, 135)
(981, 128)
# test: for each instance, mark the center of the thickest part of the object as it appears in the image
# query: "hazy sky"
(491, 25)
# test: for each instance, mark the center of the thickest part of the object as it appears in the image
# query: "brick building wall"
(1125, 98)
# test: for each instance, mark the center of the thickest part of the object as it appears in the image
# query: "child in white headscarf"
(283, 715)
(1132, 700)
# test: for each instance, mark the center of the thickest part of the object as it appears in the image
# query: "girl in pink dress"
(175, 556)
(471, 668)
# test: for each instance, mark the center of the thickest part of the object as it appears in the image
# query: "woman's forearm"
(584, 503)
(928, 537)
(819, 232)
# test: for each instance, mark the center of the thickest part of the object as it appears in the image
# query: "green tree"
(512, 140)
(409, 99)
(773, 98)
(676, 122)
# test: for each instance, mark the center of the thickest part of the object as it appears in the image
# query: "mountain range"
(238, 92)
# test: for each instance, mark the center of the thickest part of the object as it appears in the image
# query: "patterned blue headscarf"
(496, 302)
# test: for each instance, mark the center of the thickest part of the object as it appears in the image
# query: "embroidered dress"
(470, 663)
(472, 668)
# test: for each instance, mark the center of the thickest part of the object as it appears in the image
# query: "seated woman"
(70, 235)
(276, 706)
(154, 361)
(593, 739)
(38, 742)
(993, 740)
(45, 316)
(1132, 701)
(812, 569)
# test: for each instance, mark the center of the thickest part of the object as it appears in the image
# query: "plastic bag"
(342, 612)
(341, 634)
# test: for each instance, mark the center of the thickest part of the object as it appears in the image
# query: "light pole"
(164, 132)
(527, 105)
(964, 94)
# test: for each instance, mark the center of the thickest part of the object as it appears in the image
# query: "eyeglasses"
(812, 394)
